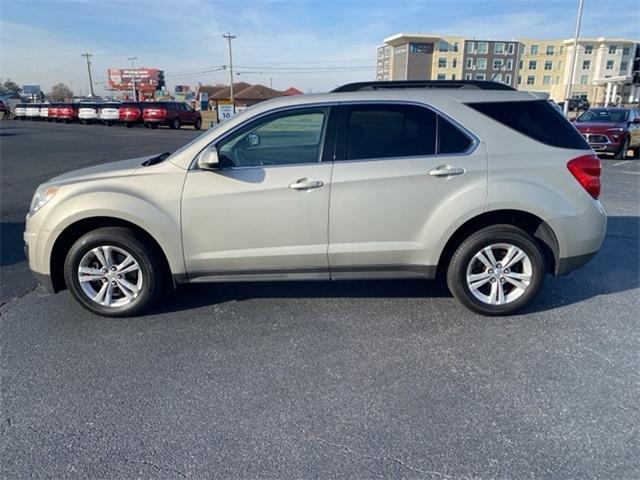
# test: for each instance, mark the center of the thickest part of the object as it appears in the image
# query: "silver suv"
(488, 187)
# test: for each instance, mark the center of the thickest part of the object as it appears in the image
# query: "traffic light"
(161, 82)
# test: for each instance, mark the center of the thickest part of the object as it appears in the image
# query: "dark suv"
(173, 114)
(611, 130)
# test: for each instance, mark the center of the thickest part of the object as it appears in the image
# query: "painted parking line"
(621, 163)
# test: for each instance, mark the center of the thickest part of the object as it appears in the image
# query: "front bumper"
(43, 279)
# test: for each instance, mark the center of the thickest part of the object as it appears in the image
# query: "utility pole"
(88, 56)
(230, 37)
(133, 78)
(574, 59)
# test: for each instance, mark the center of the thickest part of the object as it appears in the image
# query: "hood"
(122, 168)
(597, 127)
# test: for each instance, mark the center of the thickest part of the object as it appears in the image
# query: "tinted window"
(279, 139)
(535, 119)
(450, 138)
(383, 131)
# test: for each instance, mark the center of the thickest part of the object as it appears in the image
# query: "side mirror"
(636, 120)
(208, 159)
(572, 119)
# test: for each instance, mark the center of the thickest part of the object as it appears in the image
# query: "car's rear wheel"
(497, 270)
(152, 126)
(175, 124)
(113, 272)
(198, 124)
(129, 124)
(622, 153)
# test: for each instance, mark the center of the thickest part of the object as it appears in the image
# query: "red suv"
(173, 114)
(67, 112)
(130, 113)
(611, 130)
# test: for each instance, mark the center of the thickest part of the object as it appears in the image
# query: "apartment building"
(491, 60)
(605, 73)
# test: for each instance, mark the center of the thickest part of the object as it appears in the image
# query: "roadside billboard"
(122, 78)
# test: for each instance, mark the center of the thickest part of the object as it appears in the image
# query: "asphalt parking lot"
(313, 380)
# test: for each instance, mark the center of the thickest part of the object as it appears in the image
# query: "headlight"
(41, 197)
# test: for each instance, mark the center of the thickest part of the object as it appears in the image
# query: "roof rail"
(460, 84)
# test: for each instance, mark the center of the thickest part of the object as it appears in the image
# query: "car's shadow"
(615, 269)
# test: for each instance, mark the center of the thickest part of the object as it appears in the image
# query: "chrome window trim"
(475, 141)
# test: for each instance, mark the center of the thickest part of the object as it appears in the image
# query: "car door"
(264, 213)
(189, 114)
(393, 179)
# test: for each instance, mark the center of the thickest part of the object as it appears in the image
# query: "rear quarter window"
(536, 119)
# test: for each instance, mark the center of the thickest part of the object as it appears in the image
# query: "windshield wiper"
(155, 160)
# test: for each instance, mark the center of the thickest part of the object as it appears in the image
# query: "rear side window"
(535, 119)
(384, 131)
(450, 138)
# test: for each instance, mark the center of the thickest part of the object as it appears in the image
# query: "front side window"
(285, 138)
(387, 131)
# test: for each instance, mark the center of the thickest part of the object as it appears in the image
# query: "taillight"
(586, 170)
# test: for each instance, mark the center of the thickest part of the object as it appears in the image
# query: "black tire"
(109, 124)
(175, 124)
(152, 126)
(622, 153)
(463, 256)
(198, 124)
(129, 124)
(150, 261)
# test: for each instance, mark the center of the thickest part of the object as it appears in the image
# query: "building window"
(454, 62)
(586, 64)
(521, 64)
(455, 47)
(483, 48)
(509, 63)
(584, 79)
(453, 76)
(469, 63)
(443, 46)
(533, 49)
(481, 63)
(588, 49)
(442, 76)
(521, 48)
(612, 49)
(480, 76)
(609, 65)
(442, 62)
(557, 79)
(623, 67)
(512, 49)
(550, 49)
(497, 63)
(467, 76)
(470, 47)
(519, 79)
(626, 50)
(533, 64)
(531, 79)
(497, 77)
(548, 65)
(498, 48)
(546, 80)
(507, 79)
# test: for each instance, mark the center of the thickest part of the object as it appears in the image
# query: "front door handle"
(446, 171)
(306, 184)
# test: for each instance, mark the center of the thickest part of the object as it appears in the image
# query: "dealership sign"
(122, 78)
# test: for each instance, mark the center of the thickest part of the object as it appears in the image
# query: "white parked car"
(109, 113)
(88, 112)
(32, 111)
(20, 111)
(44, 111)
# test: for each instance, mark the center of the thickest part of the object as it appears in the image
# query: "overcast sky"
(313, 45)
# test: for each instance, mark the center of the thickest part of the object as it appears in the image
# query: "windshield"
(600, 115)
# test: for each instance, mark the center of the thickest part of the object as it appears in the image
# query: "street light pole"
(133, 78)
(88, 56)
(574, 58)
(230, 37)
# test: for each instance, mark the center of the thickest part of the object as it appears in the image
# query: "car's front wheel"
(496, 270)
(113, 272)
(198, 124)
(624, 148)
(175, 124)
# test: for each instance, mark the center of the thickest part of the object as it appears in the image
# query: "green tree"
(9, 87)
(59, 93)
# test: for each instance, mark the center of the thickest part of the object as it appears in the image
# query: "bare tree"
(59, 93)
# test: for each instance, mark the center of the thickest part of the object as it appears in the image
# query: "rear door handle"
(446, 171)
(306, 184)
